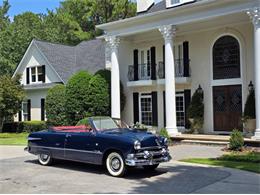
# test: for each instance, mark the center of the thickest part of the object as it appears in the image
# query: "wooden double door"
(227, 107)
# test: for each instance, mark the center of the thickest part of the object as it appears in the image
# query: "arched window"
(226, 58)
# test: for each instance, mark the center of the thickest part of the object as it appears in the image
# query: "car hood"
(147, 139)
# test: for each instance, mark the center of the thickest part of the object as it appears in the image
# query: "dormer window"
(35, 74)
(173, 3)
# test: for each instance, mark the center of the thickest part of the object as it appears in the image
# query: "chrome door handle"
(68, 135)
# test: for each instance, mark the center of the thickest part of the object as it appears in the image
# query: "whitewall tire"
(115, 164)
(44, 159)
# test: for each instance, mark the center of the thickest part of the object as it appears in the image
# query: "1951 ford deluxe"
(104, 142)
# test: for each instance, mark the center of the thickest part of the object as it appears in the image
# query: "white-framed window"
(173, 3)
(145, 109)
(36, 74)
(180, 110)
(25, 111)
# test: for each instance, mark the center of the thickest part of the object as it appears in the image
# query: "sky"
(35, 6)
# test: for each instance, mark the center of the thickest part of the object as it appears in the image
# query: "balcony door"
(144, 64)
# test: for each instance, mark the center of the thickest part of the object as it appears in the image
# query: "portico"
(164, 56)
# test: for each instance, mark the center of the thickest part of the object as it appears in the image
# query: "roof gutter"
(106, 26)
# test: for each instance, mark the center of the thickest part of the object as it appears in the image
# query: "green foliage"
(164, 133)
(242, 157)
(236, 141)
(11, 96)
(249, 111)
(196, 108)
(83, 121)
(77, 97)
(72, 22)
(140, 126)
(106, 74)
(33, 126)
(98, 96)
(55, 106)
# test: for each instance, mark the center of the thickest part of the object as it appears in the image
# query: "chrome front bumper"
(147, 157)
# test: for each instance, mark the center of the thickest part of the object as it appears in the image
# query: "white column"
(254, 15)
(113, 43)
(168, 33)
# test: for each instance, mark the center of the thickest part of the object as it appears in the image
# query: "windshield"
(104, 123)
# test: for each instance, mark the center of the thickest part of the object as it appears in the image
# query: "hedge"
(26, 126)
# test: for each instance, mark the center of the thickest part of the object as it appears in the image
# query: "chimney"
(144, 5)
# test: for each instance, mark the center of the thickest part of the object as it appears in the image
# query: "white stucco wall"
(200, 49)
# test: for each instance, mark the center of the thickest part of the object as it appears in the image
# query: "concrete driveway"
(23, 174)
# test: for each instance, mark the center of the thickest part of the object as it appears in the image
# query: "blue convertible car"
(104, 142)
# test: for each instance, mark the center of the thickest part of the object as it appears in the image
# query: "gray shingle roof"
(67, 60)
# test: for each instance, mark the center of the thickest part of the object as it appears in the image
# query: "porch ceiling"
(194, 27)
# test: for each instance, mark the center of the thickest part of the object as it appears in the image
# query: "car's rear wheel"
(115, 164)
(45, 159)
(150, 167)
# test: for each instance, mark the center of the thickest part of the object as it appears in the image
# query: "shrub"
(55, 106)
(13, 127)
(106, 74)
(249, 111)
(236, 141)
(163, 132)
(196, 107)
(32, 126)
(99, 101)
(77, 97)
(140, 126)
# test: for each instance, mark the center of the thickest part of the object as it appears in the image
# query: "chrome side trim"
(74, 150)
(151, 147)
(33, 138)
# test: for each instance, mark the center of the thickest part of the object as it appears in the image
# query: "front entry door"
(227, 104)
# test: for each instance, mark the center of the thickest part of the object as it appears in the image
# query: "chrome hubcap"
(44, 157)
(115, 164)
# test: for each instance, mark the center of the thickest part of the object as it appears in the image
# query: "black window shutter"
(42, 109)
(29, 109)
(136, 64)
(153, 63)
(187, 99)
(155, 108)
(136, 107)
(20, 116)
(186, 59)
(27, 75)
(164, 110)
(43, 74)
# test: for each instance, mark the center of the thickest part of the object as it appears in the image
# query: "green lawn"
(249, 161)
(13, 138)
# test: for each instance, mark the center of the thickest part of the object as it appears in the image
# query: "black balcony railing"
(144, 71)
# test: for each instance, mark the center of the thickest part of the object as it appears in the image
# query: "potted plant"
(248, 119)
(196, 111)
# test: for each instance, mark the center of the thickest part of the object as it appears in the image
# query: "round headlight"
(137, 145)
(165, 141)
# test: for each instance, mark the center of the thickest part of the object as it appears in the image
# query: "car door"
(82, 147)
(54, 142)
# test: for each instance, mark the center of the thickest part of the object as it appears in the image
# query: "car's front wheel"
(45, 159)
(115, 164)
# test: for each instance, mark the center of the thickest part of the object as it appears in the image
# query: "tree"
(55, 106)
(11, 97)
(99, 96)
(77, 97)
(4, 18)
(106, 74)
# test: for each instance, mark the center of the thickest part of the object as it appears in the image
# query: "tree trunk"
(1, 124)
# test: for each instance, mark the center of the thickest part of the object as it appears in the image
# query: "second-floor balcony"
(145, 72)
